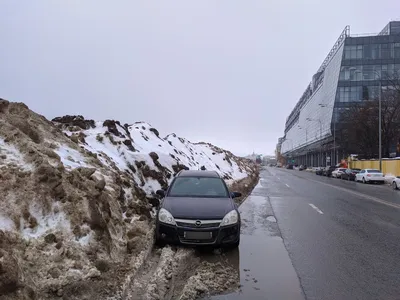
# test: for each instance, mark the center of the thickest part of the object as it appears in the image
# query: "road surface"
(333, 239)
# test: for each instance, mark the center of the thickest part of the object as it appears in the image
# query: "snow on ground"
(6, 223)
(54, 221)
(70, 158)
(124, 146)
(10, 155)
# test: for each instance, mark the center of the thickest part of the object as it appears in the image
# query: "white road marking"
(316, 208)
(278, 178)
(287, 185)
(360, 194)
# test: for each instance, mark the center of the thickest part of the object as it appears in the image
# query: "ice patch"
(70, 158)
(6, 223)
(12, 156)
(84, 241)
(258, 185)
(45, 223)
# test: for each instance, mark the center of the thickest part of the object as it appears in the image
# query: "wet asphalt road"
(333, 239)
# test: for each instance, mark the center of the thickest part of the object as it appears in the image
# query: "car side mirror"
(161, 193)
(236, 195)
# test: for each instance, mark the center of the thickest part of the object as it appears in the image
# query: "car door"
(360, 175)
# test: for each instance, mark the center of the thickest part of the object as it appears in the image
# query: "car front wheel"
(364, 181)
(232, 246)
(394, 185)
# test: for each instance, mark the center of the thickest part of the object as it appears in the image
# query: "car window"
(373, 171)
(207, 187)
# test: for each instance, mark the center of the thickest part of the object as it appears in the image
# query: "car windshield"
(207, 187)
(356, 171)
(373, 171)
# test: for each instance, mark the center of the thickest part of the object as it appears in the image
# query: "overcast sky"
(228, 72)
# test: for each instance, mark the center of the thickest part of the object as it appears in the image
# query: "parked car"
(301, 168)
(396, 183)
(328, 171)
(337, 173)
(198, 209)
(289, 167)
(350, 174)
(319, 171)
(370, 175)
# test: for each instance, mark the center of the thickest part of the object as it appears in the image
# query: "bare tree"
(358, 129)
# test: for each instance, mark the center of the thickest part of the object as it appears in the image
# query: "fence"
(389, 166)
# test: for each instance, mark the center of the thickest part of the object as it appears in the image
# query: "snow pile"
(151, 160)
(76, 199)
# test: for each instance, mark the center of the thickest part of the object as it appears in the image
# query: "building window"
(353, 52)
(368, 73)
(350, 94)
(396, 50)
(376, 51)
(353, 73)
(386, 51)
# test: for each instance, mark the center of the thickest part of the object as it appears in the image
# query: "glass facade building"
(352, 72)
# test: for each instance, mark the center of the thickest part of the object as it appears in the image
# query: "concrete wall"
(389, 166)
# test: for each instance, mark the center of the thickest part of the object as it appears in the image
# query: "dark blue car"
(198, 209)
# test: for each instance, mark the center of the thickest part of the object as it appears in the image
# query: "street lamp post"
(306, 141)
(320, 137)
(335, 153)
(380, 125)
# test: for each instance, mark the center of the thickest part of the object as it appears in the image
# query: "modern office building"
(352, 72)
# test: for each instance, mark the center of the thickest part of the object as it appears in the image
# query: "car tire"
(364, 181)
(158, 242)
(394, 185)
(233, 245)
(348, 178)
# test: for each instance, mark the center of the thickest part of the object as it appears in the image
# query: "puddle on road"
(266, 271)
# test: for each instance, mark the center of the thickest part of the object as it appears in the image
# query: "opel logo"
(198, 223)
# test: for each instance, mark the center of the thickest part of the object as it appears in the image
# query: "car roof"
(198, 173)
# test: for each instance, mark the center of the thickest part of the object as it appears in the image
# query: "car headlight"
(230, 218)
(165, 216)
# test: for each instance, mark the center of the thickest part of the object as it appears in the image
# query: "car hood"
(198, 208)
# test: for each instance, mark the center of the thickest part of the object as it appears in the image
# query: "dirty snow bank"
(76, 203)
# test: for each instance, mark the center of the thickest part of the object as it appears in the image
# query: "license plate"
(197, 235)
(377, 175)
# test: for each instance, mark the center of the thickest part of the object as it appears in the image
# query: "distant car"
(396, 183)
(301, 168)
(370, 175)
(337, 173)
(319, 171)
(198, 209)
(289, 167)
(350, 174)
(328, 171)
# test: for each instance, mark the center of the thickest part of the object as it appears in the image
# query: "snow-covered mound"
(149, 159)
(76, 199)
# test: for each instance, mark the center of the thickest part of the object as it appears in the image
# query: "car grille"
(192, 223)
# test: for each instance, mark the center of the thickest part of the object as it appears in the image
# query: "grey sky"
(228, 72)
